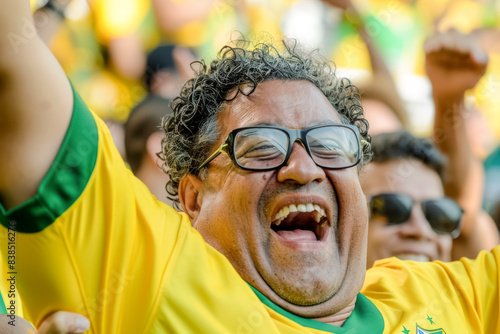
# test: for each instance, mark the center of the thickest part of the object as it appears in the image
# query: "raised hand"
(454, 63)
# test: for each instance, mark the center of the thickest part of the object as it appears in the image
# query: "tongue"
(297, 235)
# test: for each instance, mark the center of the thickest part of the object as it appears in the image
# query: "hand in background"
(454, 63)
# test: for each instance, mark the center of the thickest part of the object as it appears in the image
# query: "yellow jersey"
(94, 241)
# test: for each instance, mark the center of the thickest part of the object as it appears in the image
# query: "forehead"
(408, 176)
(290, 104)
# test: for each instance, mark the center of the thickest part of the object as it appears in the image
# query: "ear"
(191, 196)
(153, 145)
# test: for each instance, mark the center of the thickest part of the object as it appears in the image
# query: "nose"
(300, 167)
(417, 227)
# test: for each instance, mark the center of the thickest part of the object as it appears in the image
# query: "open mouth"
(301, 222)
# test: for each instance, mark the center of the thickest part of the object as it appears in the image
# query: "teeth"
(319, 213)
(286, 211)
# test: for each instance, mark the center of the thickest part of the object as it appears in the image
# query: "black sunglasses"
(443, 214)
(264, 147)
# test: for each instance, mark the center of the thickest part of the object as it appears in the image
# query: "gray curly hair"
(192, 130)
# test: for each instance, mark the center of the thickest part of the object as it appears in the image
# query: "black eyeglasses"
(443, 214)
(263, 147)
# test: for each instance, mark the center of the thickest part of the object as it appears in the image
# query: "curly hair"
(192, 130)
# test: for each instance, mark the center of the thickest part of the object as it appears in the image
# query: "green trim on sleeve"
(65, 180)
(3, 310)
(365, 318)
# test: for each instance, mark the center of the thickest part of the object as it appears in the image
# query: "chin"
(310, 296)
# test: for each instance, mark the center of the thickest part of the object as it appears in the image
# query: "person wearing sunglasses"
(410, 217)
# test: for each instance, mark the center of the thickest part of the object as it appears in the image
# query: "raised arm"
(380, 70)
(35, 104)
(454, 64)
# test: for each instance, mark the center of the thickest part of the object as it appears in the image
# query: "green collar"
(365, 318)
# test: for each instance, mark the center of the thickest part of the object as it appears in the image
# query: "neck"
(338, 319)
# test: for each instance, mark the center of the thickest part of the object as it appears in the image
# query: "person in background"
(383, 106)
(408, 173)
(409, 216)
(167, 68)
(386, 113)
(143, 137)
(454, 63)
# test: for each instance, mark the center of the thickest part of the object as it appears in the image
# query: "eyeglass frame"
(296, 134)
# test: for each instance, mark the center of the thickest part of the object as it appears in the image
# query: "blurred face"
(315, 265)
(414, 239)
(381, 117)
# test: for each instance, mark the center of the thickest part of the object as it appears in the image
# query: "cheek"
(350, 196)
(377, 235)
(352, 207)
(233, 194)
(381, 238)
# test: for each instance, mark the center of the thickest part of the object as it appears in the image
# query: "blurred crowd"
(129, 59)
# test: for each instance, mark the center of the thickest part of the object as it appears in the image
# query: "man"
(408, 220)
(265, 164)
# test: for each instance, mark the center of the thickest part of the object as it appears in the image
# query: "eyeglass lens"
(262, 148)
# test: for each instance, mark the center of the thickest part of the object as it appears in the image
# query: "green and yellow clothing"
(94, 241)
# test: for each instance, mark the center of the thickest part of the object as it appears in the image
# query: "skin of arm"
(35, 104)
(454, 64)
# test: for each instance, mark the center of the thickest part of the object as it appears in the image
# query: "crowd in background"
(118, 52)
